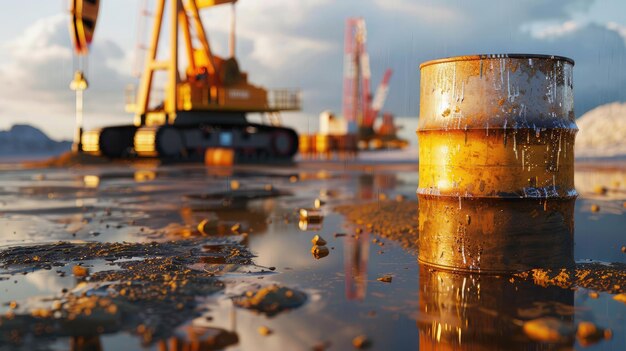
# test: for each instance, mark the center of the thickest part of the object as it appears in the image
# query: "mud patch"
(149, 295)
(33, 257)
(594, 276)
(396, 220)
(271, 300)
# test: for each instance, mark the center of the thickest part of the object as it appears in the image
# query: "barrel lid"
(495, 56)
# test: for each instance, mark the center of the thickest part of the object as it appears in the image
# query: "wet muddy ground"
(185, 257)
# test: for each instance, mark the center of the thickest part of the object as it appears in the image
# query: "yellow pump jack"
(205, 107)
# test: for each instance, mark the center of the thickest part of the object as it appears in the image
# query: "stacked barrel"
(326, 146)
(496, 162)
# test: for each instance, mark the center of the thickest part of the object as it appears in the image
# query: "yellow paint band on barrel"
(496, 171)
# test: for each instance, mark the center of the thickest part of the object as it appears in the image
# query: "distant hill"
(602, 132)
(26, 140)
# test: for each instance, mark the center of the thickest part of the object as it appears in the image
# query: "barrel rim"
(496, 56)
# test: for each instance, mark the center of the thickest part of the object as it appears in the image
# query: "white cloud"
(278, 50)
(287, 43)
(551, 31)
(430, 12)
(617, 28)
(270, 28)
(34, 82)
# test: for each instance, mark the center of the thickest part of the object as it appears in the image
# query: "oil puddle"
(185, 262)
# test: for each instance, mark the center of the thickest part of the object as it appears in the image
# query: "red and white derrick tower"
(358, 108)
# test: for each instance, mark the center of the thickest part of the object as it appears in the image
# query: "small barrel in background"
(496, 162)
(305, 144)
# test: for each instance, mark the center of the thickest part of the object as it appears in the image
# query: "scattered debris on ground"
(150, 291)
(396, 220)
(271, 300)
(21, 258)
(594, 276)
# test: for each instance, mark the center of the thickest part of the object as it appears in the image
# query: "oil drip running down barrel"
(496, 163)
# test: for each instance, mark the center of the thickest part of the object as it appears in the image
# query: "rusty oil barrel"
(496, 162)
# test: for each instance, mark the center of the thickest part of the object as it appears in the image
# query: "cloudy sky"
(298, 43)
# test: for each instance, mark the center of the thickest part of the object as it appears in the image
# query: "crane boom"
(379, 98)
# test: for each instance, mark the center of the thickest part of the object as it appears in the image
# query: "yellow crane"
(204, 105)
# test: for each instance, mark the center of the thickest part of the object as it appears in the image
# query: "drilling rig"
(203, 106)
(359, 109)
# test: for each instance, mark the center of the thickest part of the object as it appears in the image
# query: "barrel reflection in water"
(496, 183)
(460, 311)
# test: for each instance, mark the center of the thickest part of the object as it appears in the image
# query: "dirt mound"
(396, 220)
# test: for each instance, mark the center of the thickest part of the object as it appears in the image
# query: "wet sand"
(172, 256)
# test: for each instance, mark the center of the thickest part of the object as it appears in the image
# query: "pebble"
(318, 240)
(319, 251)
(207, 226)
(549, 329)
(361, 342)
(234, 184)
(620, 297)
(385, 279)
(271, 300)
(80, 271)
(318, 203)
(310, 214)
(588, 333)
(265, 331)
(600, 189)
